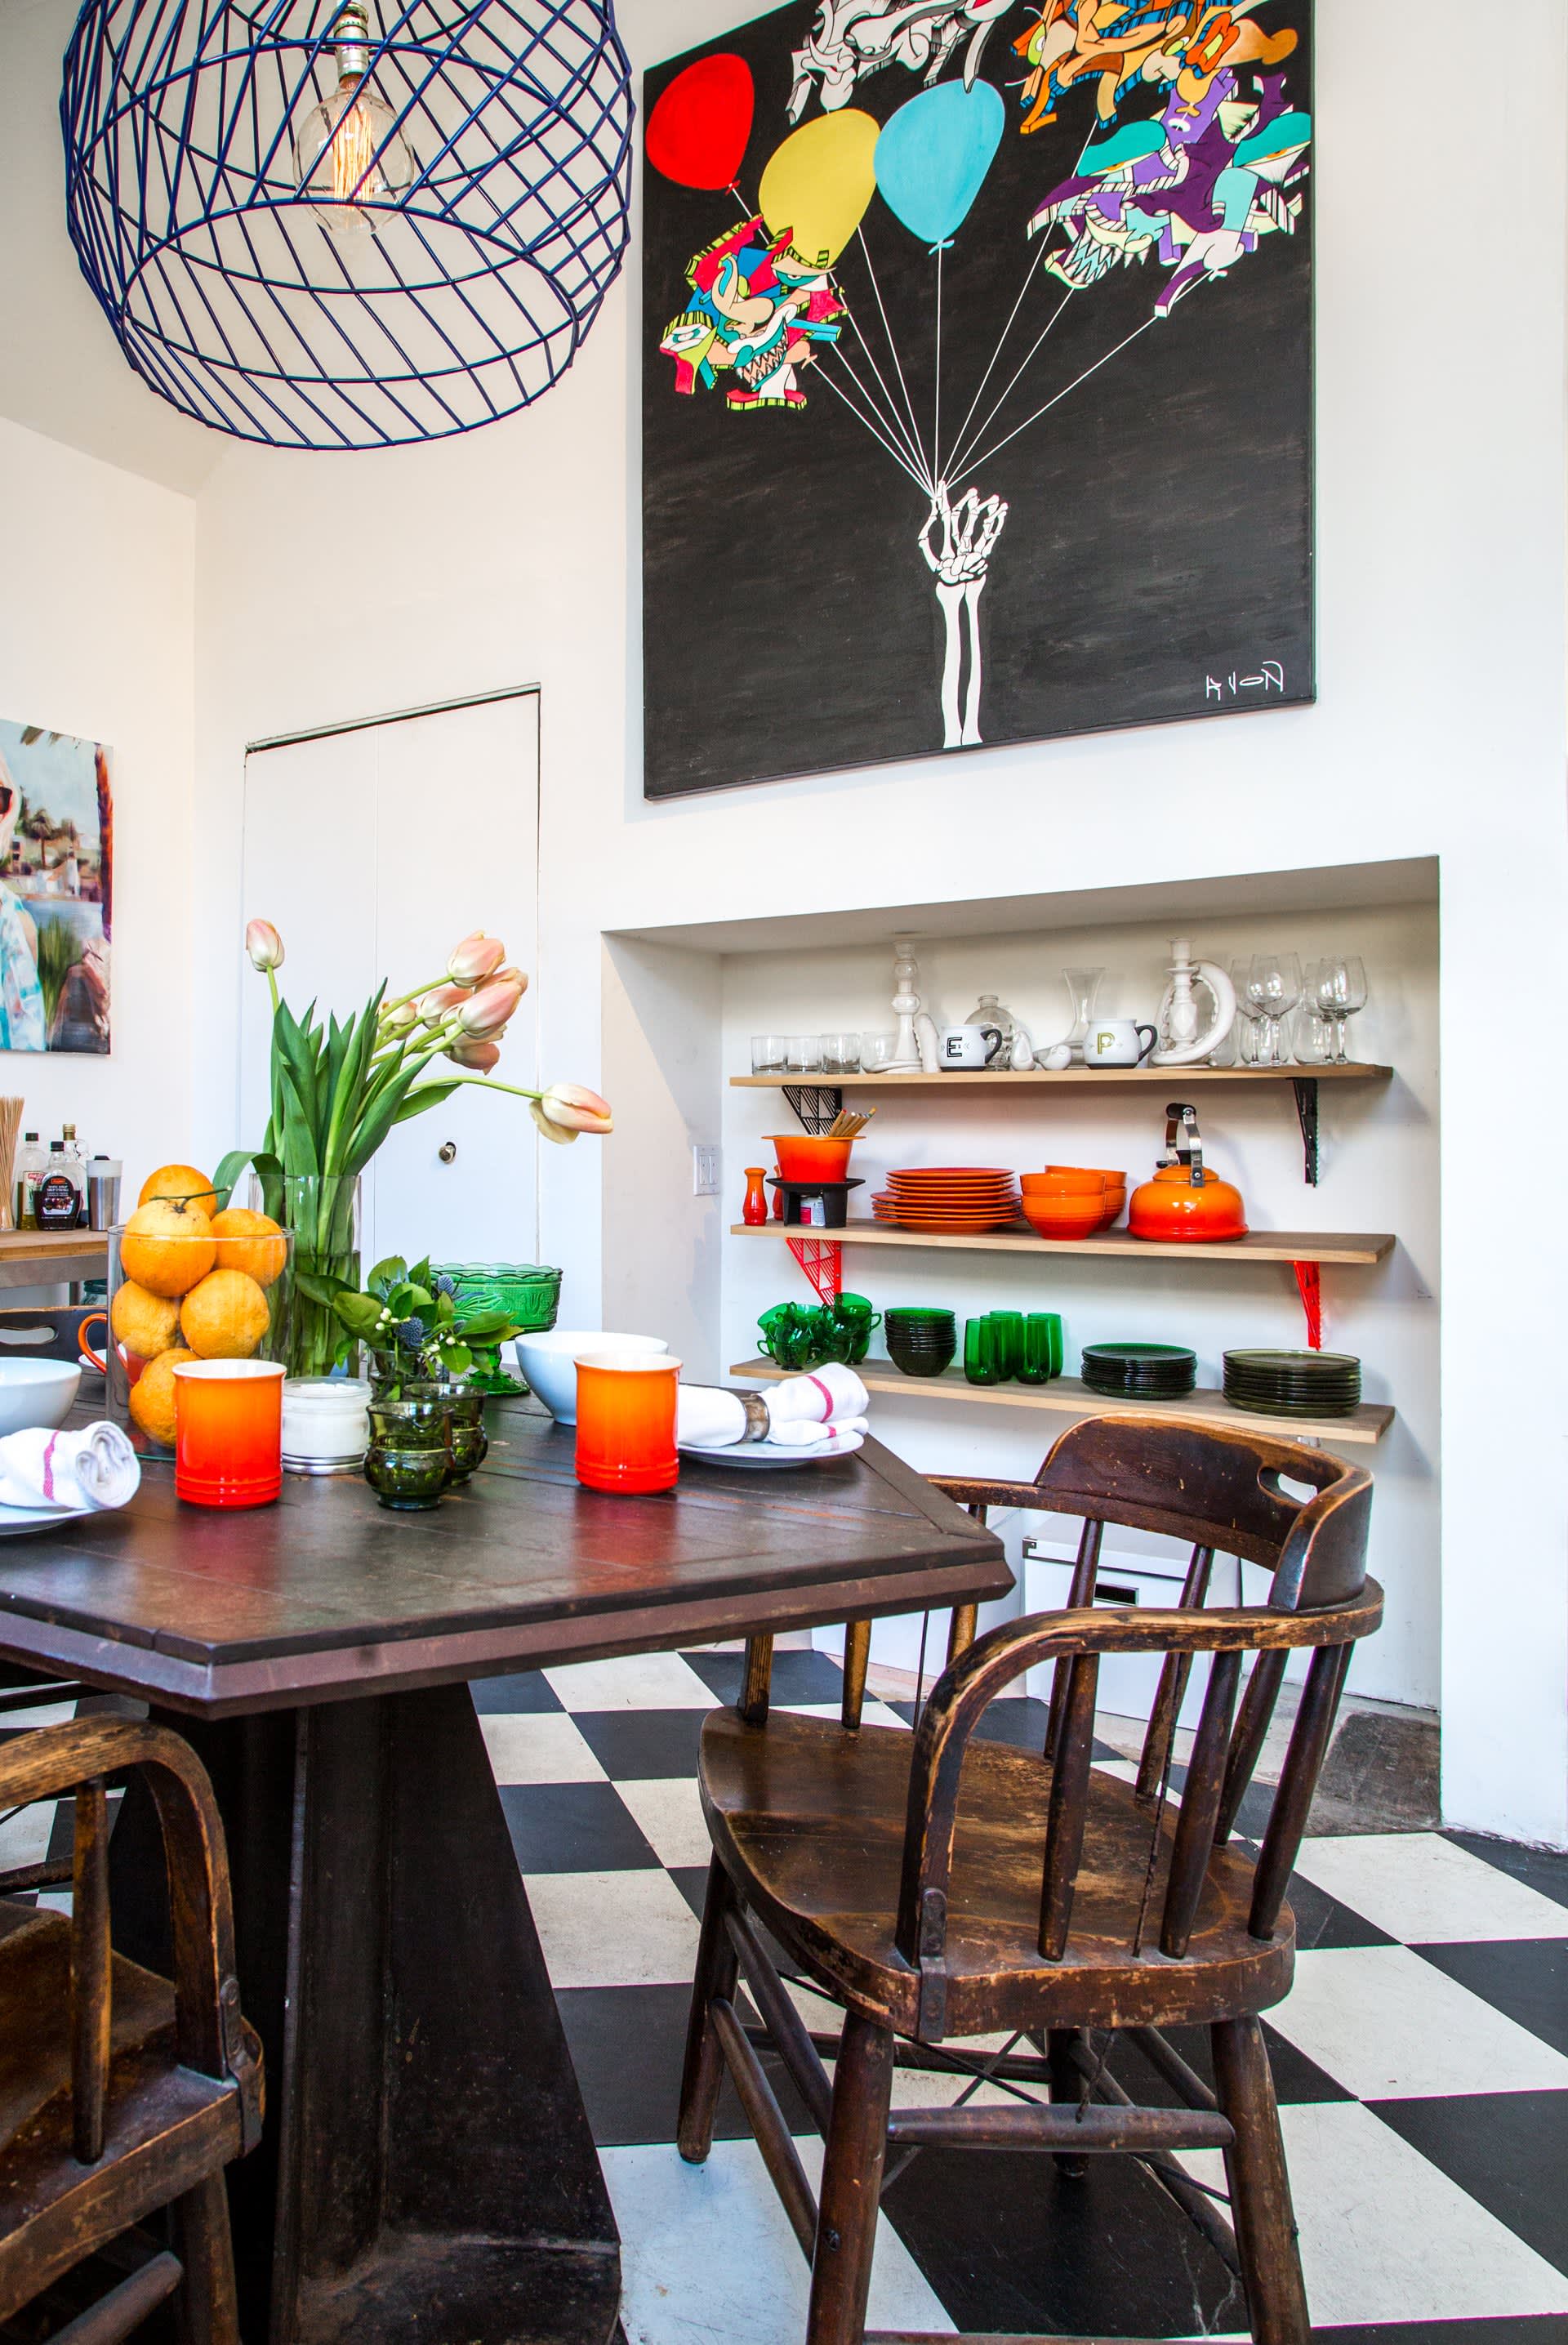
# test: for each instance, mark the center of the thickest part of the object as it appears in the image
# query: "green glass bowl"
(527, 1291)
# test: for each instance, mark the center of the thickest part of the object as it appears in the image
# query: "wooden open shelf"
(1070, 1396)
(1259, 1246)
(1171, 1079)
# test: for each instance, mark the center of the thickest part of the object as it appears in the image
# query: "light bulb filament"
(353, 151)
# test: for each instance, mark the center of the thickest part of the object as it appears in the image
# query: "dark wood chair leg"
(208, 2315)
(1260, 2206)
(1067, 2084)
(852, 2168)
(704, 2069)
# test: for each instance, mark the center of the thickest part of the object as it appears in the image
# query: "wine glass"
(1272, 991)
(1337, 988)
(1250, 1026)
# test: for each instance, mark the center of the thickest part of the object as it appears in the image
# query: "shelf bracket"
(822, 1260)
(1306, 1090)
(816, 1105)
(1309, 1284)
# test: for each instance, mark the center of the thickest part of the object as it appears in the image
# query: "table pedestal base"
(426, 2170)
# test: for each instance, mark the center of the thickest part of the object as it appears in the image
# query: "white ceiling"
(61, 371)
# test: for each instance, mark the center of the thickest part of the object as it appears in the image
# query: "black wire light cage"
(314, 231)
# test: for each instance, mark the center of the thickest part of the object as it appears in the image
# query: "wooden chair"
(122, 2094)
(939, 1887)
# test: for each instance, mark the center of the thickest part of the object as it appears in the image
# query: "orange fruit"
(226, 1317)
(144, 1323)
(249, 1242)
(152, 1396)
(167, 1247)
(179, 1180)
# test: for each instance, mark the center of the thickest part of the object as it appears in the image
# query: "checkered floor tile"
(1421, 2060)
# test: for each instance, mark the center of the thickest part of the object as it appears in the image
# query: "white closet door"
(372, 852)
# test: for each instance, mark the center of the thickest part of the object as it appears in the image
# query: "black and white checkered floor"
(1422, 2063)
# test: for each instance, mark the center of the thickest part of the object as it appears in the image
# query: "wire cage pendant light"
(314, 230)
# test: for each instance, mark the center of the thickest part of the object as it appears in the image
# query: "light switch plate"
(705, 1168)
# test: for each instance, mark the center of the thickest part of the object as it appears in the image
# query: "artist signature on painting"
(1270, 677)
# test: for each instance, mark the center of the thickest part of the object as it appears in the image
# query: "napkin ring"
(759, 1424)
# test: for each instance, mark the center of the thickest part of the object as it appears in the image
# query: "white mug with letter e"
(966, 1050)
(1118, 1043)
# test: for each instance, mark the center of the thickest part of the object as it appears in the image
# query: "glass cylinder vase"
(181, 1289)
(321, 1212)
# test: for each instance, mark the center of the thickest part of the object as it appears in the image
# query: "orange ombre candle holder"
(228, 1432)
(626, 1421)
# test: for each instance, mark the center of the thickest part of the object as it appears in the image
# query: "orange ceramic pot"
(804, 1156)
(1174, 1207)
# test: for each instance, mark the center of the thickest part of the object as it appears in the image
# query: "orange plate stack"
(958, 1200)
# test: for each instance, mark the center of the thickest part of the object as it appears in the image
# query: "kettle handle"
(1183, 1141)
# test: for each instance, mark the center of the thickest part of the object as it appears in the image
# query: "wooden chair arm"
(51, 1760)
(966, 1490)
(977, 1676)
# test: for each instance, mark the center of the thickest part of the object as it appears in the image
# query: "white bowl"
(549, 1363)
(35, 1392)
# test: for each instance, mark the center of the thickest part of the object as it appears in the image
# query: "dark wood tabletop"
(328, 1595)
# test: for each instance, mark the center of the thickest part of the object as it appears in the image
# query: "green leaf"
(321, 1286)
(387, 1275)
(352, 1090)
(374, 1126)
(457, 1356)
(423, 1096)
(495, 1324)
(228, 1173)
(298, 1062)
(361, 1313)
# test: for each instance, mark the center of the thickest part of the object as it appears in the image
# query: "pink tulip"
(555, 1131)
(512, 975)
(264, 945)
(482, 1057)
(437, 1005)
(404, 1019)
(484, 1013)
(576, 1109)
(477, 957)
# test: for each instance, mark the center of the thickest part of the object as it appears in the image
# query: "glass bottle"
(989, 1011)
(31, 1162)
(76, 1166)
(54, 1197)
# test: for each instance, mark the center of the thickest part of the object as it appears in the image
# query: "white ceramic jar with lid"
(326, 1425)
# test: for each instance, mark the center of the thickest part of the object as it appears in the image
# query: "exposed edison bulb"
(347, 151)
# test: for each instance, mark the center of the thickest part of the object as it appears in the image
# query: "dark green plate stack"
(1293, 1383)
(1151, 1372)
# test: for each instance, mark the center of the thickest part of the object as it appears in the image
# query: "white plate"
(17, 1520)
(759, 1454)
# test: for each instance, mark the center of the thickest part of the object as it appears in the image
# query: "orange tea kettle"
(1185, 1201)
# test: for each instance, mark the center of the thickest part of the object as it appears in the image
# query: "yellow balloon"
(816, 185)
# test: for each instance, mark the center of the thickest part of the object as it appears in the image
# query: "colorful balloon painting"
(1018, 296)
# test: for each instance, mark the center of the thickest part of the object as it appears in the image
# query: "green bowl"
(527, 1291)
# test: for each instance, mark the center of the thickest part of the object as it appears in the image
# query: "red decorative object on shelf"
(754, 1212)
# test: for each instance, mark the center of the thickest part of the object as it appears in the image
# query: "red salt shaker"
(754, 1212)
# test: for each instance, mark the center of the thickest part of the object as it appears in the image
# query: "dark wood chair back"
(54, 1331)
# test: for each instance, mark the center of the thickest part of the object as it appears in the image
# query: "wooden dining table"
(426, 2170)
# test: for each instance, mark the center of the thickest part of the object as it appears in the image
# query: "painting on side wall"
(56, 854)
(976, 378)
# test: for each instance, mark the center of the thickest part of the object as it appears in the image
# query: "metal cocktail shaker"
(104, 1192)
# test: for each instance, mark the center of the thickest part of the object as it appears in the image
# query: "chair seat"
(169, 2126)
(808, 1823)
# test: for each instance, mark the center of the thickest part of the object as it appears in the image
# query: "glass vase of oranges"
(190, 1277)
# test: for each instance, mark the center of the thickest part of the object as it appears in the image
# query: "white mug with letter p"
(1118, 1042)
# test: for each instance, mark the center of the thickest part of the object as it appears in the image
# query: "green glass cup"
(1040, 1358)
(981, 1353)
(470, 1441)
(1009, 1338)
(407, 1481)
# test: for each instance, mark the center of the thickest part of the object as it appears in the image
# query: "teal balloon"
(933, 156)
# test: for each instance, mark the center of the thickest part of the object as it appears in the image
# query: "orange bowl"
(1112, 1180)
(1062, 1184)
(801, 1156)
(1063, 1217)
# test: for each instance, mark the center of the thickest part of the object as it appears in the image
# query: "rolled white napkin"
(798, 1435)
(825, 1395)
(704, 1414)
(76, 1472)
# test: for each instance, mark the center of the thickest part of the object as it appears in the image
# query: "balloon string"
(894, 451)
(937, 423)
(966, 437)
(986, 454)
(887, 416)
(892, 345)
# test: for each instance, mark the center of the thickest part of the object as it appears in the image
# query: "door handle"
(448, 1151)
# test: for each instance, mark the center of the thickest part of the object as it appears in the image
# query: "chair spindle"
(1081, 1591)
(856, 1662)
(1310, 1739)
(755, 1681)
(1068, 1804)
(1200, 1806)
(1175, 1673)
(90, 2014)
(1252, 1725)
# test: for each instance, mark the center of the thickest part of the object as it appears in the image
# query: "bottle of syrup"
(55, 1198)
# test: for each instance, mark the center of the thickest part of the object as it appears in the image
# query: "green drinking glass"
(982, 1361)
(1041, 1357)
(1009, 1338)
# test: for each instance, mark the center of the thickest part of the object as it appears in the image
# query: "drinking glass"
(1083, 984)
(878, 1051)
(841, 1054)
(1009, 1327)
(983, 1349)
(1249, 1025)
(769, 1054)
(1273, 989)
(803, 1054)
(1336, 990)
(1041, 1357)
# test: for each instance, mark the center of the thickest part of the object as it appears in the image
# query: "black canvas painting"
(976, 378)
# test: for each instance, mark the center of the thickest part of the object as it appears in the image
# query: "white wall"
(97, 624)
(1438, 730)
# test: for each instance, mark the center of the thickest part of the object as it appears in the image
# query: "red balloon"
(698, 130)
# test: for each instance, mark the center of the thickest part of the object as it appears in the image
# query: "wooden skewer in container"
(10, 1125)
